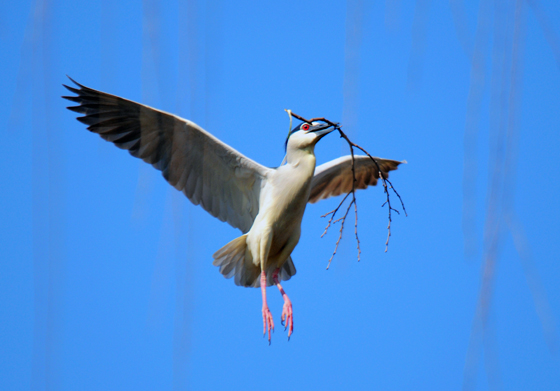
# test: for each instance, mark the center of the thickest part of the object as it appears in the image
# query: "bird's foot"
(288, 317)
(268, 323)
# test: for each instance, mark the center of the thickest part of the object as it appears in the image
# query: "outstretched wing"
(335, 177)
(209, 172)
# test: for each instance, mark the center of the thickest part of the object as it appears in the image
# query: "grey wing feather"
(209, 172)
(335, 177)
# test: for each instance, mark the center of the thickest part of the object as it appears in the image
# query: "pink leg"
(268, 323)
(287, 312)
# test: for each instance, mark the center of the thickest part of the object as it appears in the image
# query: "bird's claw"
(268, 323)
(288, 318)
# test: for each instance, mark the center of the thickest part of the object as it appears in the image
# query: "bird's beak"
(321, 130)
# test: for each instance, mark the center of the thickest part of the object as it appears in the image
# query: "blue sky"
(106, 276)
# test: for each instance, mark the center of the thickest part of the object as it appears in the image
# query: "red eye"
(305, 126)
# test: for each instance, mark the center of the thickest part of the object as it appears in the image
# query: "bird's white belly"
(279, 219)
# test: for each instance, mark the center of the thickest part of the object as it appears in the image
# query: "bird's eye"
(305, 126)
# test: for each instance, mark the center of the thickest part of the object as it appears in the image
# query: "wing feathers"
(335, 177)
(207, 171)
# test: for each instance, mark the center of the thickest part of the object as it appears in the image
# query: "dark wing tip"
(82, 90)
(82, 120)
(76, 99)
(72, 89)
(74, 81)
(76, 109)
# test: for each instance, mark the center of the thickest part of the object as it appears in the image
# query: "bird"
(266, 204)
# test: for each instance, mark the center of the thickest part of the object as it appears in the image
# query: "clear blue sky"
(106, 276)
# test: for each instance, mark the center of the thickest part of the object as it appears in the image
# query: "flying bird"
(265, 204)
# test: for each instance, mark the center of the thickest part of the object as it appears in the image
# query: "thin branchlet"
(386, 186)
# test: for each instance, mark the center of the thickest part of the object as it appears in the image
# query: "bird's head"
(306, 135)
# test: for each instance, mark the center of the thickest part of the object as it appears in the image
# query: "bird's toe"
(288, 318)
(268, 322)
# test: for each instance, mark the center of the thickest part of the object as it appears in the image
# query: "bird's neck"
(305, 156)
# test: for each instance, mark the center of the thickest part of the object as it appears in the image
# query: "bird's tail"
(234, 260)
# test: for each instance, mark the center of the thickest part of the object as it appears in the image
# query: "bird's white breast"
(282, 204)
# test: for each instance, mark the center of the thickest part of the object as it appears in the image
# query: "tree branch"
(386, 186)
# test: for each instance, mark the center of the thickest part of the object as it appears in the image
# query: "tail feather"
(234, 260)
(228, 269)
(287, 270)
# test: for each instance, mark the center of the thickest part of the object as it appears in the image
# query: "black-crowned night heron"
(266, 204)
